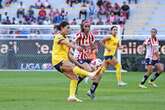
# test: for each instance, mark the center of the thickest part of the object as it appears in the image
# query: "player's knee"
(149, 71)
(73, 77)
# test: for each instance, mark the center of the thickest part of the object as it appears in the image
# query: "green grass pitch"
(49, 91)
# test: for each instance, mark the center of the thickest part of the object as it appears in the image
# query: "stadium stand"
(48, 11)
(144, 15)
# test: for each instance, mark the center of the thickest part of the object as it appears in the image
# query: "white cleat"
(142, 86)
(152, 84)
(121, 83)
(73, 99)
(86, 80)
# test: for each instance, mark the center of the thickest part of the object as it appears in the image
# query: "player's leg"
(80, 77)
(72, 91)
(147, 74)
(68, 67)
(95, 83)
(145, 77)
(67, 72)
(160, 69)
(86, 67)
(105, 65)
(117, 66)
(73, 77)
(92, 90)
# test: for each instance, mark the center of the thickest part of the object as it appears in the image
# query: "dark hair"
(82, 24)
(154, 29)
(62, 24)
(113, 27)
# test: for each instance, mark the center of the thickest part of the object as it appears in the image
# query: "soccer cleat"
(86, 80)
(121, 83)
(73, 99)
(142, 86)
(152, 84)
(91, 95)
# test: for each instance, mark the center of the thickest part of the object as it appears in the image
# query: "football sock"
(80, 71)
(73, 86)
(80, 79)
(103, 70)
(118, 72)
(93, 87)
(144, 79)
(154, 77)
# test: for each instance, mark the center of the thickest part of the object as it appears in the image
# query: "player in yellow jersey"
(65, 63)
(111, 44)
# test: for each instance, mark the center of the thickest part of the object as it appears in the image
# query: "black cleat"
(91, 95)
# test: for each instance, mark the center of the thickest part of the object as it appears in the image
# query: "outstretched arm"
(119, 45)
(70, 44)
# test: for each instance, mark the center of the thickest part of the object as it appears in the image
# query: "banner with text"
(36, 54)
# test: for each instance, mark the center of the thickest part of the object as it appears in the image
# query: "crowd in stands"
(45, 14)
(103, 12)
(98, 13)
(6, 3)
(131, 1)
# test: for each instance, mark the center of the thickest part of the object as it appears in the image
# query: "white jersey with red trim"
(152, 46)
(85, 41)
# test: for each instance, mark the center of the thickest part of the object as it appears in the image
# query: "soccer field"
(49, 91)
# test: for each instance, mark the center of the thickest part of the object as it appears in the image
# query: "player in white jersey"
(86, 40)
(152, 58)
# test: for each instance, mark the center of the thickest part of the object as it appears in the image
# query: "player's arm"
(145, 43)
(93, 46)
(95, 50)
(70, 44)
(156, 52)
(119, 45)
(103, 42)
(144, 46)
(77, 39)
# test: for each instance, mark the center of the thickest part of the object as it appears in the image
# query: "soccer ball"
(96, 63)
(46, 66)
